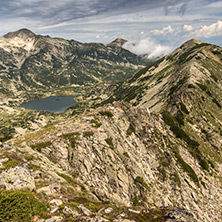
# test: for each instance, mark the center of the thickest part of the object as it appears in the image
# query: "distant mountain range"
(29, 62)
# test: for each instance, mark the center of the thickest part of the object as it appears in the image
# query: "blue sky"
(149, 23)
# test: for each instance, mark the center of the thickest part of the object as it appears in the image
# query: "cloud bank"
(148, 48)
(163, 31)
(214, 29)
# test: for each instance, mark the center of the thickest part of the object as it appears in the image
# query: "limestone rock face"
(128, 156)
(16, 178)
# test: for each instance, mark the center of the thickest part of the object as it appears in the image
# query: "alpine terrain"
(31, 62)
(149, 150)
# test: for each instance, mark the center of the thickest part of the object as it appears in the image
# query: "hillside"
(31, 62)
(172, 78)
(151, 152)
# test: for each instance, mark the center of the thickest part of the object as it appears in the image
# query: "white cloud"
(163, 31)
(214, 29)
(187, 28)
(215, 5)
(147, 47)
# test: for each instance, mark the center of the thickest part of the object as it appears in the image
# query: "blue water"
(51, 104)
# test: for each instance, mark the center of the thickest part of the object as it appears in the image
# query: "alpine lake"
(53, 104)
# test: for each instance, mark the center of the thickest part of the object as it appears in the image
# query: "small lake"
(51, 104)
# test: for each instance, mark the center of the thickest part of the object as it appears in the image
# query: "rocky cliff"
(120, 154)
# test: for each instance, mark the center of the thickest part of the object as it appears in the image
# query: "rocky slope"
(120, 154)
(35, 62)
(185, 86)
(157, 159)
(161, 84)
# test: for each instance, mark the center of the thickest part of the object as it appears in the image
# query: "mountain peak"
(191, 43)
(22, 33)
(159, 85)
(118, 42)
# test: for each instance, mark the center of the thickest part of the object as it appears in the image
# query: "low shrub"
(40, 146)
(20, 206)
(5, 138)
(96, 122)
(130, 130)
(186, 167)
(69, 179)
(109, 141)
(141, 181)
(88, 133)
(126, 154)
(106, 113)
(72, 137)
(10, 163)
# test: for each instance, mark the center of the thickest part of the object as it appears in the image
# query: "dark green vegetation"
(130, 130)
(10, 163)
(42, 145)
(178, 131)
(5, 138)
(191, 53)
(169, 145)
(106, 113)
(23, 119)
(96, 123)
(144, 70)
(154, 215)
(69, 179)
(141, 181)
(186, 167)
(193, 146)
(71, 137)
(109, 141)
(126, 154)
(20, 206)
(88, 133)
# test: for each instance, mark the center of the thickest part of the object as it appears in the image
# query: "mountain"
(118, 42)
(175, 77)
(151, 152)
(30, 62)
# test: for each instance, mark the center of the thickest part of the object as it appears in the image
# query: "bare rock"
(16, 178)
(108, 210)
(178, 214)
(67, 211)
(55, 219)
(85, 210)
(55, 202)
(93, 219)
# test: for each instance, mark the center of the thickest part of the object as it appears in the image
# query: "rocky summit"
(149, 151)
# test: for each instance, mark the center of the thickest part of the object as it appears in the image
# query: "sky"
(154, 27)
